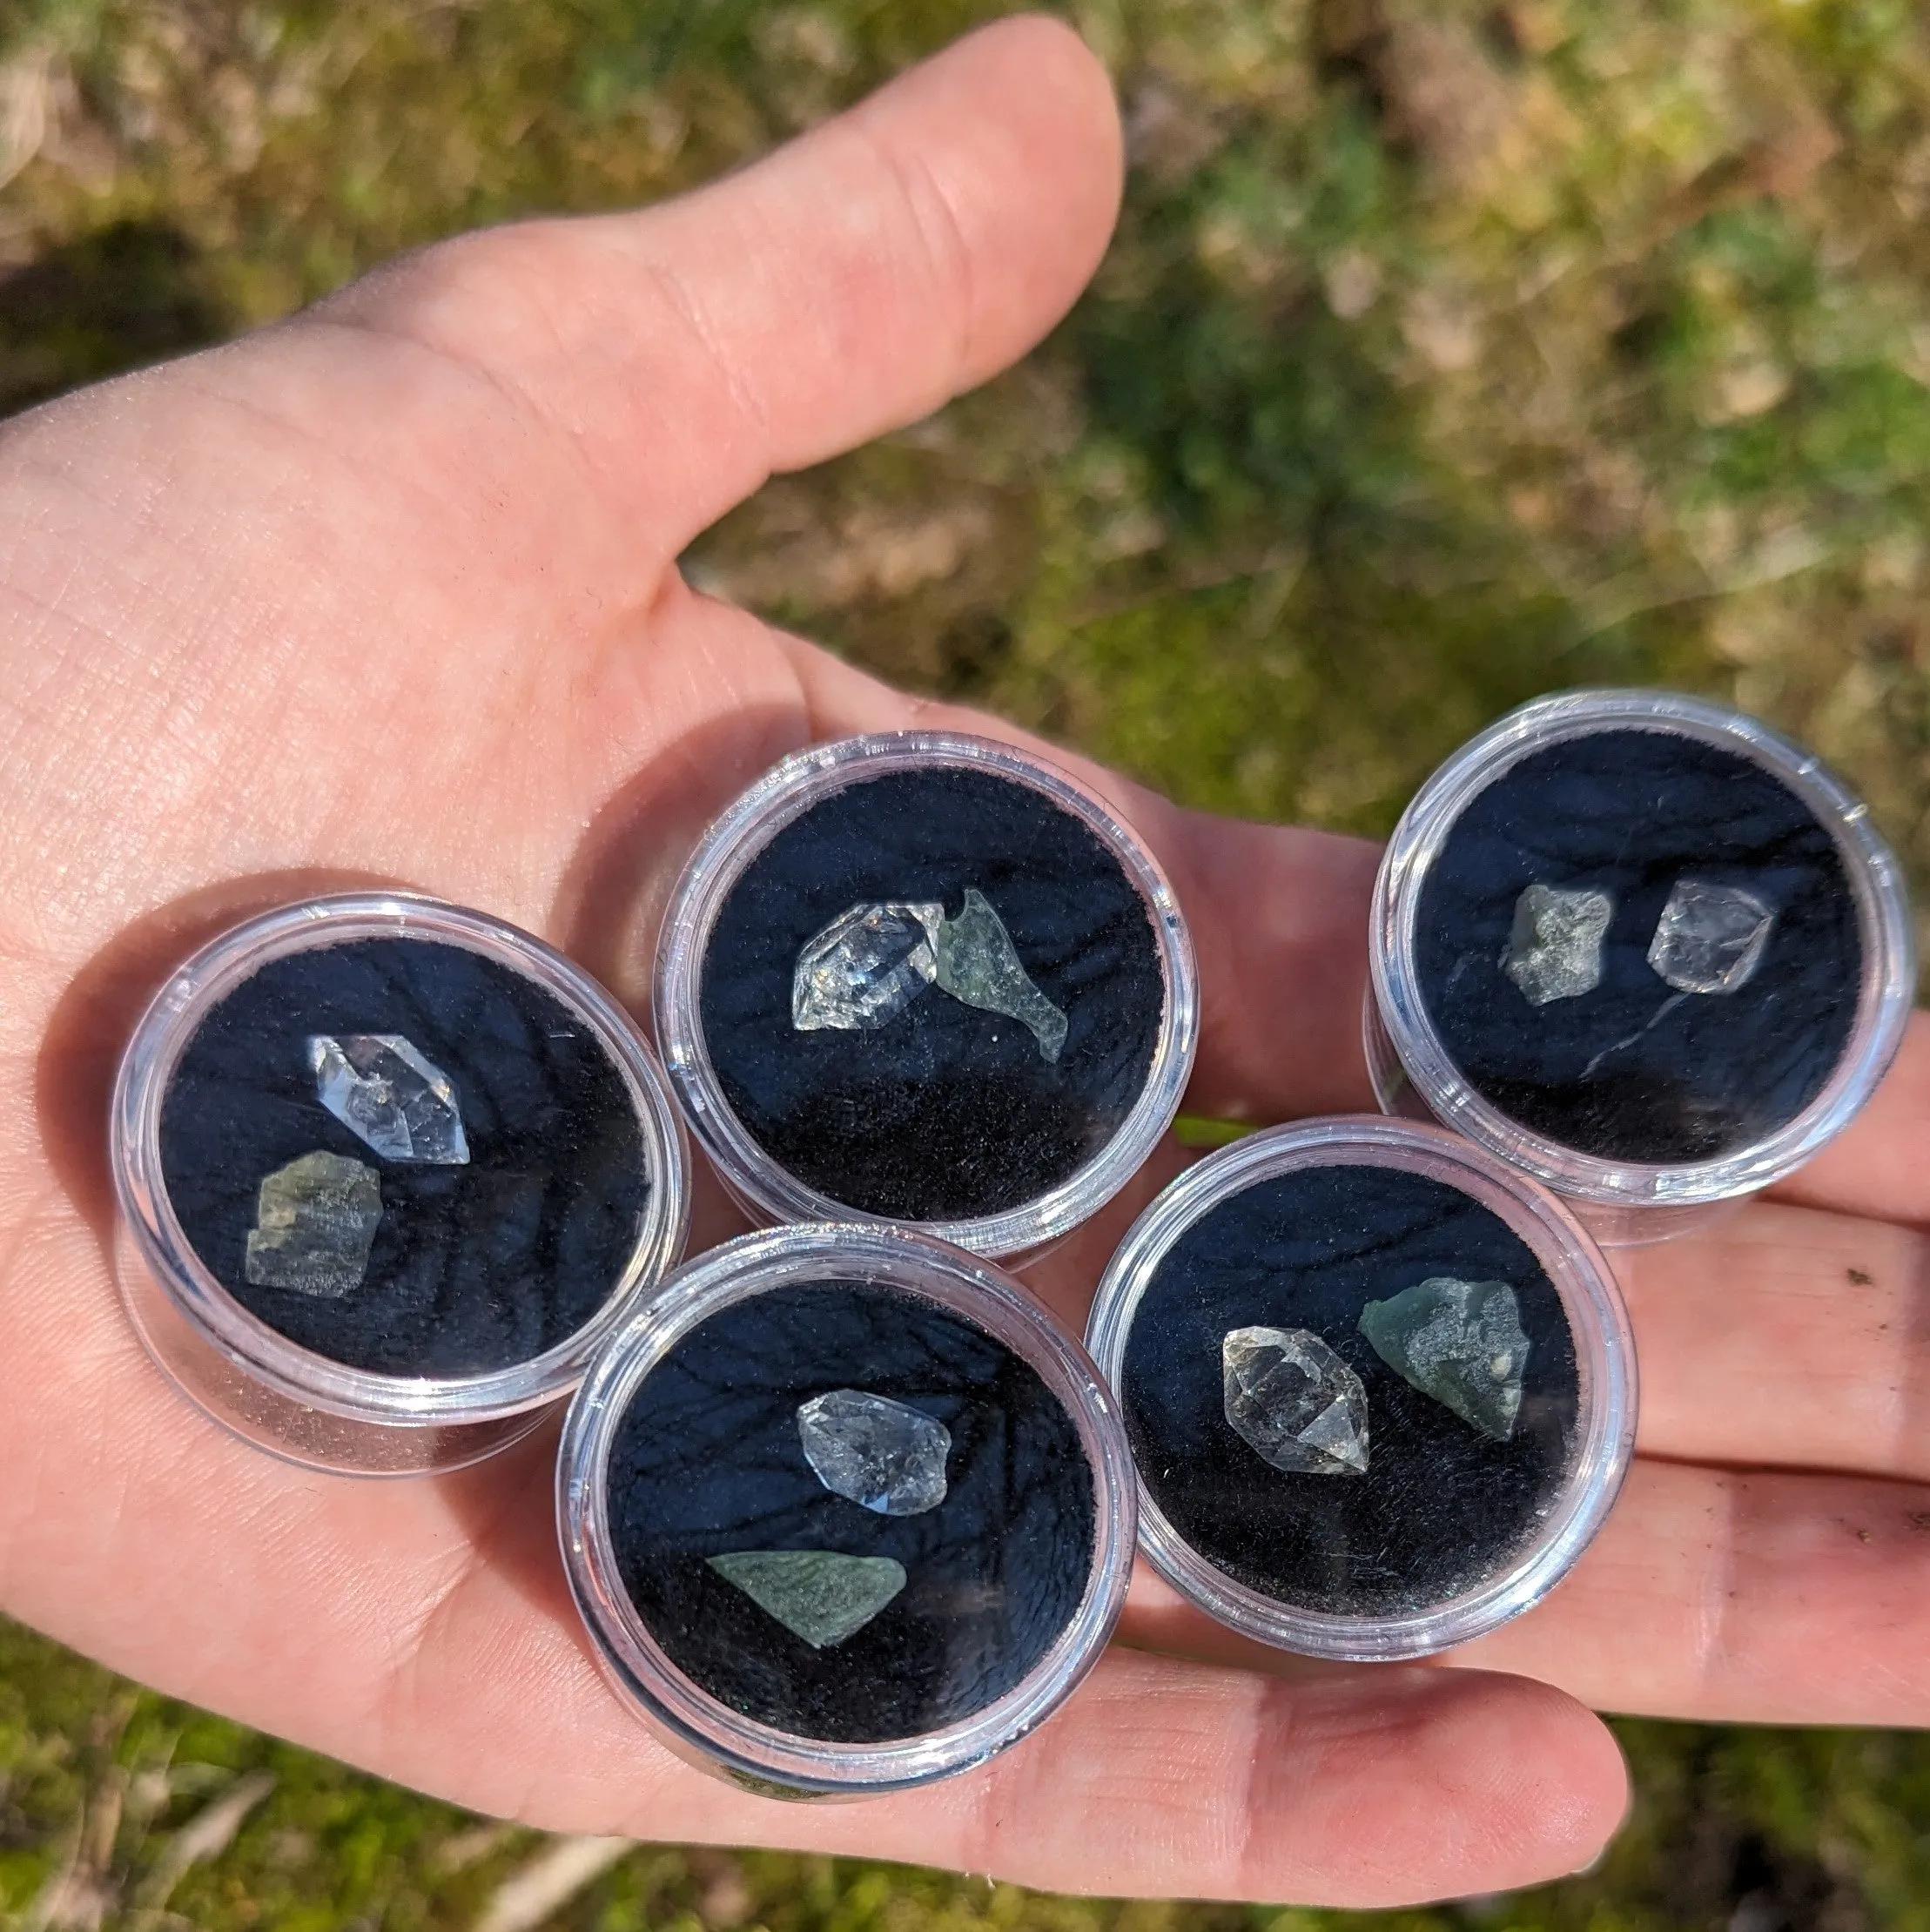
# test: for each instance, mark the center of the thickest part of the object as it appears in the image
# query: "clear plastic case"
(768, 1186)
(288, 1398)
(1457, 1531)
(1627, 1200)
(977, 1563)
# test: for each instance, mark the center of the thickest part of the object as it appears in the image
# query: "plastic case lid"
(708, 1732)
(262, 1352)
(1882, 901)
(1605, 1430)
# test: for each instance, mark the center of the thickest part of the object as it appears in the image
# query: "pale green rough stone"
(1555, 948)
(978, 963)
(1462, 1343)
(819, 1595)
(315, 1221)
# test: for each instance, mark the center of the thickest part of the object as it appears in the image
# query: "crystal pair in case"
(390, 1172)
(1642, 948)
(925, 979)
(1379, 1390)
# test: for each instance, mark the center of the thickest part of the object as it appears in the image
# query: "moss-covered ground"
(1448, 354)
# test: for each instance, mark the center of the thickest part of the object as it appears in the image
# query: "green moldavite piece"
(978, 963)
(315, 1221)
(1460, 1342)
(819, 1595)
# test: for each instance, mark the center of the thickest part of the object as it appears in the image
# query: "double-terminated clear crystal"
(872, 961)
(883, 1454)
(1555, 949)
(396, 1101)
(865, 967)
(1710, 938)
(1460, 1342)
(315, 1221)
(1294, 1402)
(820, 1595)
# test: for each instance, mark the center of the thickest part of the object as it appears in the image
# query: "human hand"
(388, 595)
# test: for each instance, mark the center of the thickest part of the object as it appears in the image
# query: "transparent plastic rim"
(785, 795)
(1883, 918)
(1605, 1359)
(262, 1352)
(755, 1264)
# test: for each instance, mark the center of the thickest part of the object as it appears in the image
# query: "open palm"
(388, 594)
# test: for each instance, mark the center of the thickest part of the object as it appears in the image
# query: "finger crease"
(934, 220)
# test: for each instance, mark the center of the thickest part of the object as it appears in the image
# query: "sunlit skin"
(388, 594)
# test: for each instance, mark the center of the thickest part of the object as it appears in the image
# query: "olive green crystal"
(820, 1595)
(315, 1221)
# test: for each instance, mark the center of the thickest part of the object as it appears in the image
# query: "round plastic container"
(389, 1171)
(1379, 1390)
(844, 1512)
(1640, 947)
(929, 980)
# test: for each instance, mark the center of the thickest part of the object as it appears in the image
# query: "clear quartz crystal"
(883, 1454)
(1555, 949)
(1460, 1342)
(1710, 938)
(315, 1221)
(872, 961)
(389, 1095)
(979, 964)
(1294, 1402)
(865, 967)
(820, 1595)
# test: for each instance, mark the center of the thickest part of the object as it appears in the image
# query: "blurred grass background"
(1448, 354)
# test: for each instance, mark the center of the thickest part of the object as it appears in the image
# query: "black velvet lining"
(946, 1111)
(473, 1268)
(1441, 1507)
(1633, 1070)
(707, 1459)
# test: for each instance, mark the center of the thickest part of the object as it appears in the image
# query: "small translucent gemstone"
(315, 1221)
(1710, 938)
(978, 963)
(1460, 1342)
(389, 1095)
(884, 1454)
(1294, 1402)
(819, 1595)
(1555, 949)
(864, 968)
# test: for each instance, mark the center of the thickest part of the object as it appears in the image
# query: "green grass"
(1447, 355)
